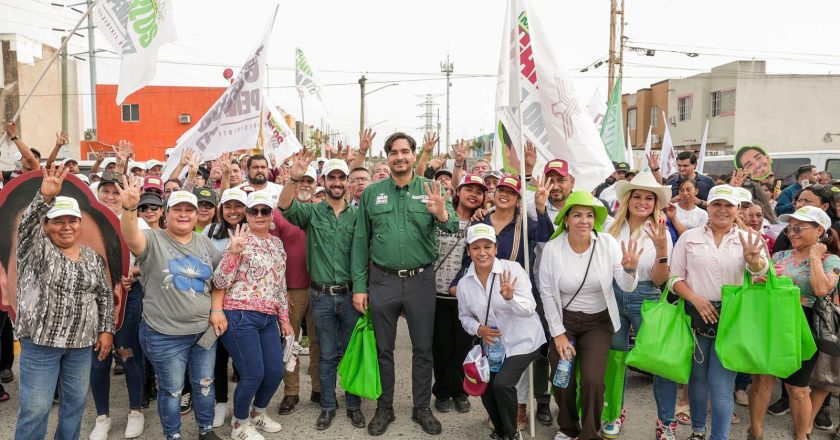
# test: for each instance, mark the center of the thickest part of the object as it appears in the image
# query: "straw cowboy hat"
(644, 181)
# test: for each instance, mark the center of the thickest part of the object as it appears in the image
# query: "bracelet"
(293, 180)
(217, 311)
(653, 170)
(13, 138)
(129, 210)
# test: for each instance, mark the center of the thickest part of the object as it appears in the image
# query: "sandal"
(735, 419)
(683, 415)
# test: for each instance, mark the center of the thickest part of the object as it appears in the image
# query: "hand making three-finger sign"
(506, 285)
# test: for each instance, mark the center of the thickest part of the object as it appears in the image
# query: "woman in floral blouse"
(252, 272)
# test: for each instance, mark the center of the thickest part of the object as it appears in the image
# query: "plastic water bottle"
(495, 354)
(564, 371)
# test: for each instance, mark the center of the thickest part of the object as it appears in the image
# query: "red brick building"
(153, 118)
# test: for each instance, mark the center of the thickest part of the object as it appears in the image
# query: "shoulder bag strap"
(489, 297)
(442, 260)
(585, 274)
(517, 236)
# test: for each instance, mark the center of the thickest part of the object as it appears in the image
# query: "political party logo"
(145, 16)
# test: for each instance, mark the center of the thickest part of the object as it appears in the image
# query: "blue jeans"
(127, 348)
(253, 341)
(335, 317)
(41, 368)
(172, 355)
(630, 313)
(708, 376)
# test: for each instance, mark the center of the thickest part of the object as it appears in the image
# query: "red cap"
(152, 182)
(511, 182)
(473, 384)
(472, 179)
(557, 165)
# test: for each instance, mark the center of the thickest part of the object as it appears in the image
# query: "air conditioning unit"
(672, 120)
(184, 119)
(90, 134)
(655, 138)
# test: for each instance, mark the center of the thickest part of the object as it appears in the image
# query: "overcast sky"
(405, 41)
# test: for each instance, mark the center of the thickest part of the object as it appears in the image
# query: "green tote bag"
(359, 367)
(664, 342)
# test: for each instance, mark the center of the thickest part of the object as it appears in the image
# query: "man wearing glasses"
(359, 180)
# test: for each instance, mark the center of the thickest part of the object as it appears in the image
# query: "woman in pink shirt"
(704, 259)
(252, 272)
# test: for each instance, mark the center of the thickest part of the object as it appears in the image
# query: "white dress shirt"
(648, 258)
(517, 319)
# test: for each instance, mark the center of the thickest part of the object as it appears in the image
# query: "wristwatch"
(13, 138)
(663, 260)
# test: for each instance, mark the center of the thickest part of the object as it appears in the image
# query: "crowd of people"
(233, 258)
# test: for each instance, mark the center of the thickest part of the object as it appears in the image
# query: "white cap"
(182, 197)
(132, 165)
(108, 161)
(311, 172)
(480, 231)
(259, 198)
(153, 163)
(321, 159)
(83, 178)
(234, 194)
(94, 186)
(320, 189)
(64, 206)
(726, 193)
(808, 214)
(68, 159)
(744, 195)
(336, 164)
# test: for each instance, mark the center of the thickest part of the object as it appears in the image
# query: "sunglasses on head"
(144, 208)
(264, 211)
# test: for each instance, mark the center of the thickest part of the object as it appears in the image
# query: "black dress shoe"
(324, 420)
(443, 405)
(357, 419)
(6, 375)
(287, 405)
(315, 397)
(209, 435)
(380, 421)
(544, 414)
(426, 420)
(462, 404)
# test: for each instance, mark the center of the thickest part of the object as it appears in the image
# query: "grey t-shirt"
(450, 255)
(177, 279)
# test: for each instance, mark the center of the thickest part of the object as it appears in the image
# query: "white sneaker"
(561, 436)
(135, 425)
(266, 423)
(220, 414)
(246, 432)
(100, 431)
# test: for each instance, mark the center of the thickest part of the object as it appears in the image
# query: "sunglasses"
(256, 212)
(145, 208)
(205, 205)
(799, 228)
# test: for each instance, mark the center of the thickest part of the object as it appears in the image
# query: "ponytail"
(831, 241)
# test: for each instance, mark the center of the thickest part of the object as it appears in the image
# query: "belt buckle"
(404, 273)
(332, 290)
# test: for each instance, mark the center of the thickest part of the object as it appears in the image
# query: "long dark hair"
(759, 198)
(831, 241)
(825, 196)
(220, 229)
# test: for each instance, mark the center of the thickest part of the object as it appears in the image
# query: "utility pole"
(65, 122)
(92, 63)
(362, 82)
(438, 130)
(447, 67)
(616, 54)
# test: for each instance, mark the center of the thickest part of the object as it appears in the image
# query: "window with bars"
(131, 112)
(684, 107)
(723, 102)
(654, 116)
(631, 118)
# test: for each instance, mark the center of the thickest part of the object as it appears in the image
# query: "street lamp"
(827, 138)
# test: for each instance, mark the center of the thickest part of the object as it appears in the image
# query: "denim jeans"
(254, 343)
(630, 313)
(710, 379)
(41, 368)
(127, 348)
(335, 317)
(171, 356)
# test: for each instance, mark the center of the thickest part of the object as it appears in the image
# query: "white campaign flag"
(533, 88)
(668, 157)
(233, 122)
(278, 141)
(702, 157)
(597, 108)
(135, 29)
(648, 146)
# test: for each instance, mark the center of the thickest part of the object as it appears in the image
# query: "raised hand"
(506, 285)
(186, 156)
(300, 163)
(52, 180)
(238, 238)
(130, 194)
(658, 234)
(670, 210)
(11, 130)
(630, 254)
(459, 152)
(224, 162)
(653, 161)
(100, 155)
(61, 138)
(752, 246)
(530, 157)
(544, 187)
(437, 162)
(282, 177)
(429, 142)
(349, 154)
(436, 204)
(366, 140)
(738, 177)
(124, 150)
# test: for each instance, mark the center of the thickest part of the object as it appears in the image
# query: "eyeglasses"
(205, 205)
(256, 212)
(145, 208)
(799, 228)
(360, 180)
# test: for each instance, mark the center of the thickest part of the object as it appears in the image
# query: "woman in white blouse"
(510, 318)
(576, 278)
(639, 217)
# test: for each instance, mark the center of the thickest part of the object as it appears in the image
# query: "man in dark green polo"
(329, 229)
(395, 241)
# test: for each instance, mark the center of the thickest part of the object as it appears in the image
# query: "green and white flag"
(305, 77)
(612, 132)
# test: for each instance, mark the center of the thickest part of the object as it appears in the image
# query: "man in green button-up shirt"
(329, 227)
(395, 231)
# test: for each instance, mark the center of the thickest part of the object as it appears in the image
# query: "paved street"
(473, 425)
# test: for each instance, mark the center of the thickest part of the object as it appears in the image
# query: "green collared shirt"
(328, 239)
(395, 230)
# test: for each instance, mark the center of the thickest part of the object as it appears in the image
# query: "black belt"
(404, 273)
(338, 289)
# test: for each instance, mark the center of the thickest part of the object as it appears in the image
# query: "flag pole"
(303, 123)
(55, 55)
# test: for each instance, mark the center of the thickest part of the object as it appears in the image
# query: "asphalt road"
(641, 414)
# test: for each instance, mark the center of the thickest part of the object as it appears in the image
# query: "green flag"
(612, 132)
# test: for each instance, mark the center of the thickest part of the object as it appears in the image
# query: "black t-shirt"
(9, 175)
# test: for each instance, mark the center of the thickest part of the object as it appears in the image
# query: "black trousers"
(449, 347)
(500, 397)
(389, 296)
(7, 342)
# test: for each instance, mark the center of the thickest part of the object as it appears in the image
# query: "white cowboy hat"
(644, 181)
